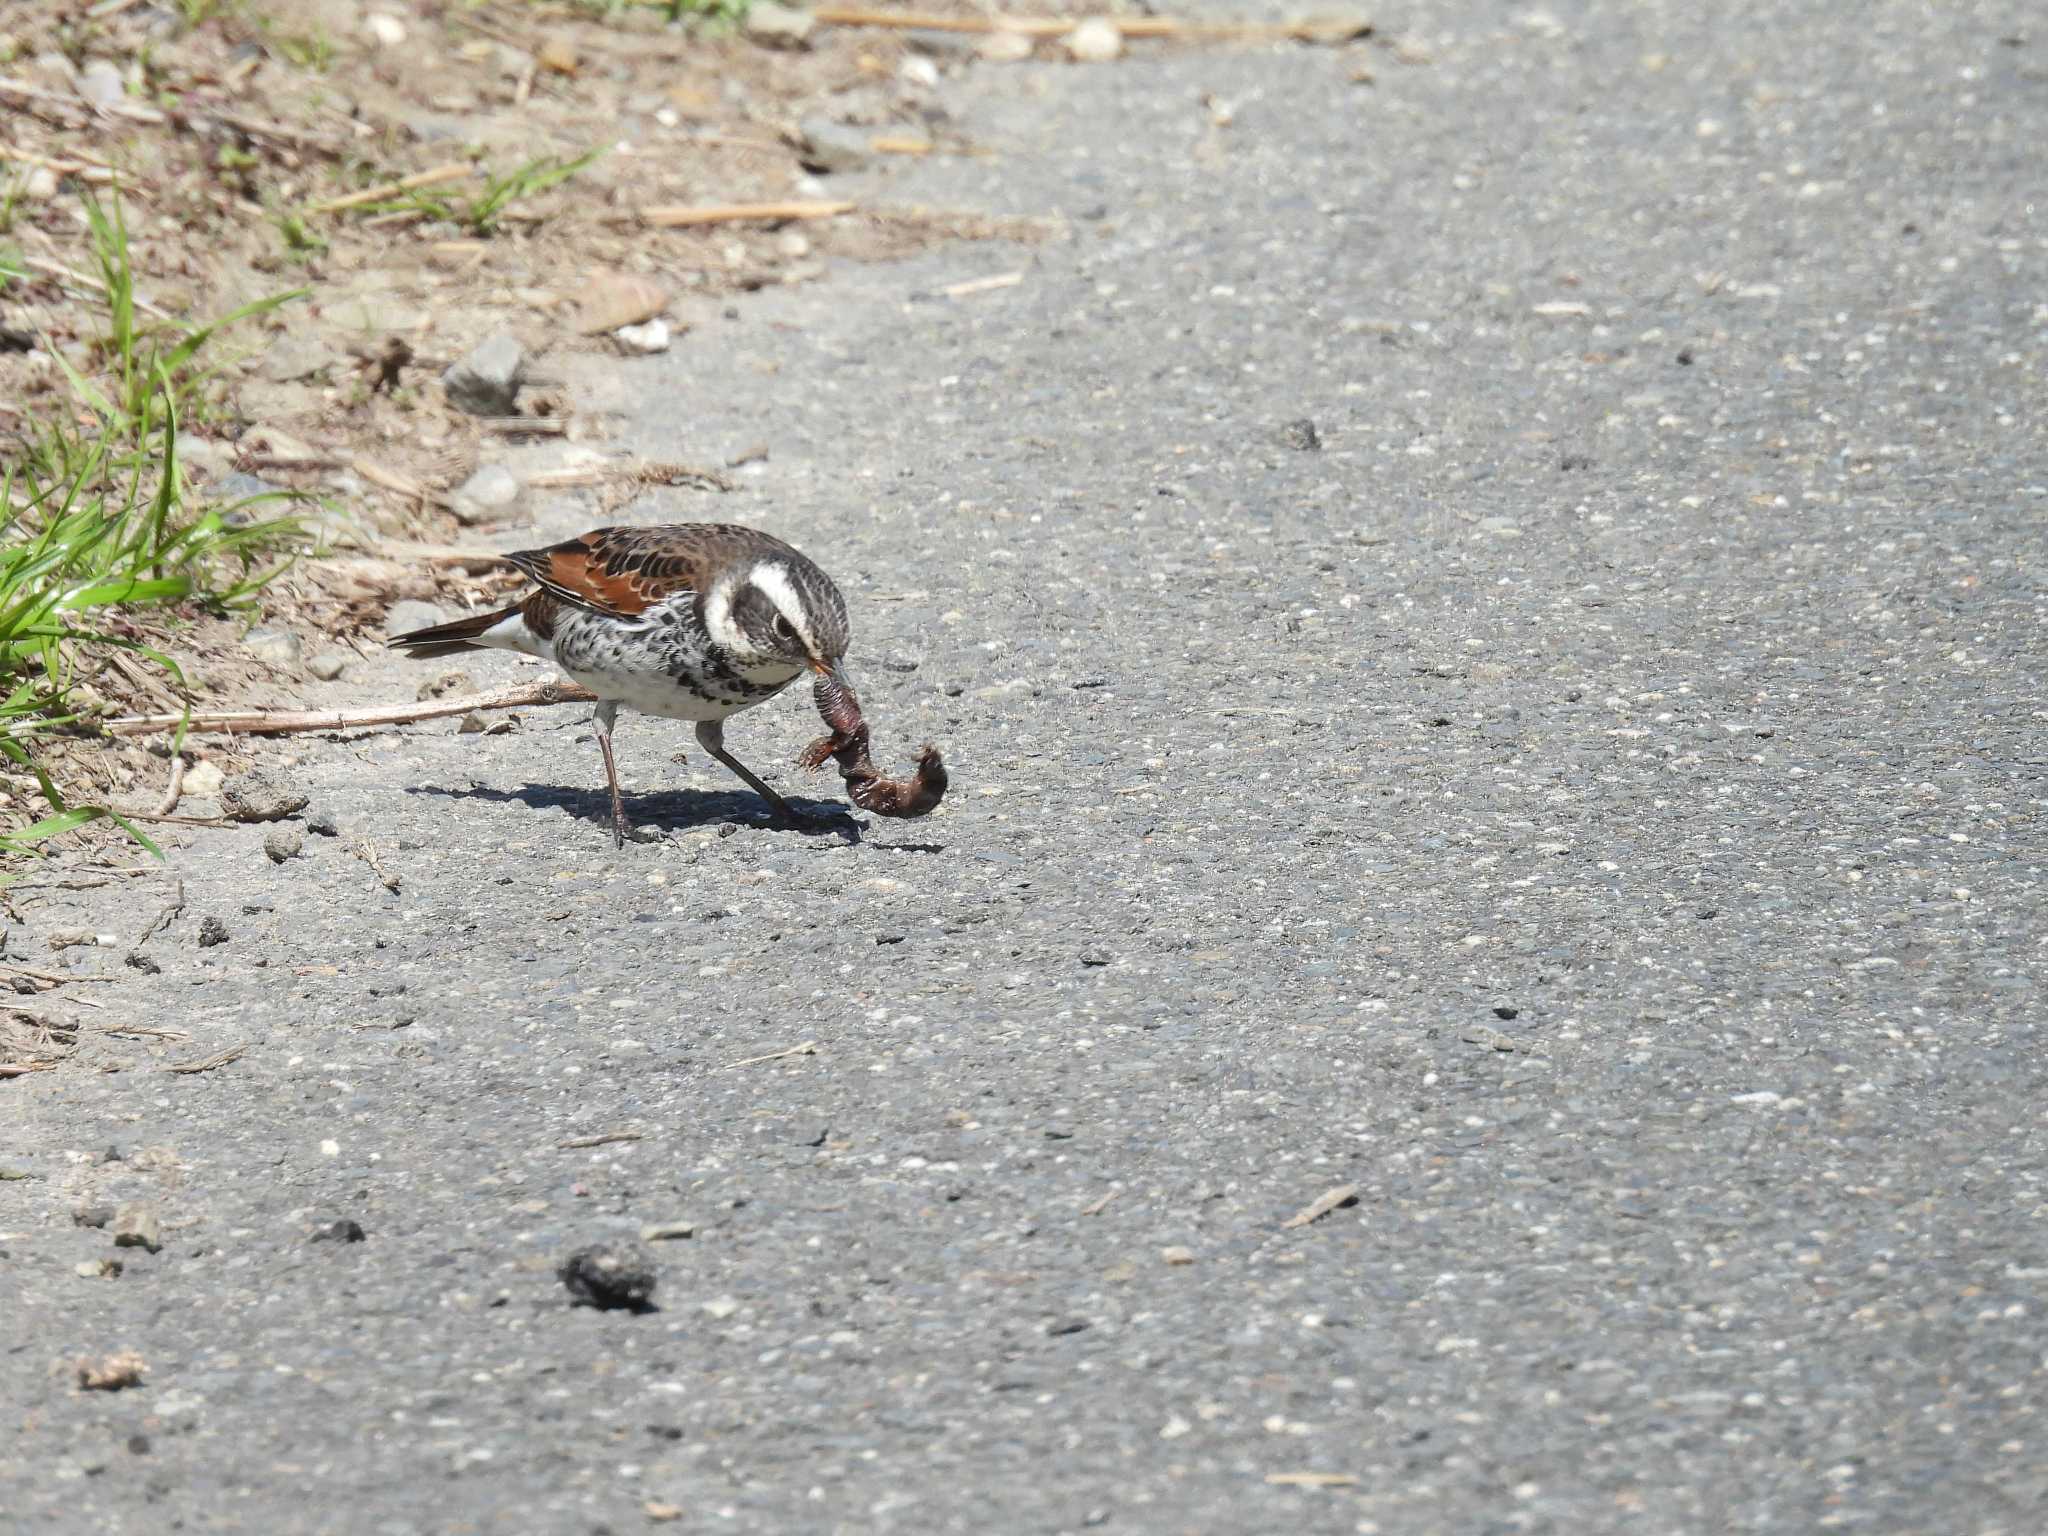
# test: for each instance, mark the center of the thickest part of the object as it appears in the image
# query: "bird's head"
(786, 612)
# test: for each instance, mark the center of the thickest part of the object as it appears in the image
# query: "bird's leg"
(606, 713)
(711, 737)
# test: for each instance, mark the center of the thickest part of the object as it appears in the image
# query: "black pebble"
(343, 1231)
(610, 1275)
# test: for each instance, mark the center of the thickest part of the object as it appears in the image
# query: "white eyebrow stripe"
(772, 579)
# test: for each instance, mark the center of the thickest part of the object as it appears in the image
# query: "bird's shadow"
(669, 811)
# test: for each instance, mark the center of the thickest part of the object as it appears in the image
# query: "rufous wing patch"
(620, 571)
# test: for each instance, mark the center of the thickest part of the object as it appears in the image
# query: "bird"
(687, 621)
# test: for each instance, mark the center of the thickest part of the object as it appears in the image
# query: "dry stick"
(676, 217)
(377, 194)
(176, 789)
(392, 480)
(808, 1048)
(86, 108)
(162, 920)
(91, 284)
(256, 128)
(602, 1139)
(88, 170)
(1322, 1205)
(525, 426)
(253, 722)
(1060, 26)
(982, 285)
(208, 1063)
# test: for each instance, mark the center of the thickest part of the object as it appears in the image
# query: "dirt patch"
(426, 176)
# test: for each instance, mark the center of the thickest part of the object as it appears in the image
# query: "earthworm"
(839, 707)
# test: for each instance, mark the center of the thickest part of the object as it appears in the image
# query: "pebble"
(1005, 48)
(138, 1225)
(212, 931)
(410, 614)
(204, 457)
(273, 647)
(475, 723)
(610, 1275)
(721, 1307)
(343, 1231)
(486, 382)
(203, 779)
(793, 244)
(322, 821)
(240, 487)
(384, 28)
(918, 71)
(832, 148)
(1177, 1255)
(1302, 436)
(283, 843)
(260, 795)
(328, 665)
(778, 26)
(558, 53)
(646, 339)
(485, 494)
(667, 1231)
(1095, 41)
(98, 1269)
(101, 84)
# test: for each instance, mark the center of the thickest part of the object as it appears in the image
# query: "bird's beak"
(825, 669)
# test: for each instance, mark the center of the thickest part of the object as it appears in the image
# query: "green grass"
(480, 215)
(96, 525)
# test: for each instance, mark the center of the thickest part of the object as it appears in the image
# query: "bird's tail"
(457, 635)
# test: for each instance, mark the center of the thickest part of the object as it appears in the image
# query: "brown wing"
(622, 570)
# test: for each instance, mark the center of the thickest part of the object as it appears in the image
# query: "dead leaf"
(612, 299)
(1322, 1205)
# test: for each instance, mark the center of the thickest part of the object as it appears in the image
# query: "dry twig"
(808, 1048)
(1314, 30)
(677, 216)
(377, 194)
(256, 722)
(1322, 1205)
(208, 1063)
(602, 1139)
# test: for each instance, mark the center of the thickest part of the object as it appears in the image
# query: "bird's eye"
(783, 630)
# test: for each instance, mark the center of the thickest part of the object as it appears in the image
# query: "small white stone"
(653, 336)
(1095, 41)
(919, 70)
(1005, 47)
(203, 780)
(386, 29)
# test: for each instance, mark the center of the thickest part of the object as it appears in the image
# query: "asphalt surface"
(1590, 803)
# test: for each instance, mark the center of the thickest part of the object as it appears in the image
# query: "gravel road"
(1489, 627)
